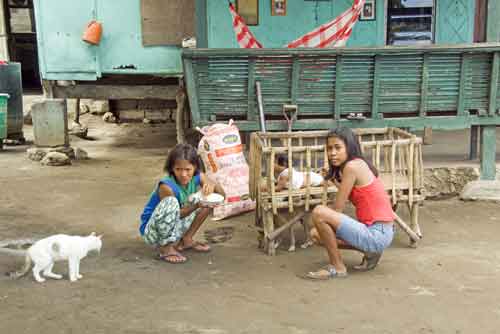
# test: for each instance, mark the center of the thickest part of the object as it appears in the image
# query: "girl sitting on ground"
(171, 217)
(357, 180)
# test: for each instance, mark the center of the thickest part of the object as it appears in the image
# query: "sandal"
(174, 258)
(196, 246)
(325, 274)
(369, 262)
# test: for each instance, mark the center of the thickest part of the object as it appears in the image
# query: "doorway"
(21, 40)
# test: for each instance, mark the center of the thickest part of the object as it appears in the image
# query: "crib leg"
(292, 239)
(307, 242)
(269, 245)
(414, 224)
(414, 220)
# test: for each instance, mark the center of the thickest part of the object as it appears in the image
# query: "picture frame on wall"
(368, 11)
(278, 7)
(249, 11)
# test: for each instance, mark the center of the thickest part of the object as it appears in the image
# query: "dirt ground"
(449, 284)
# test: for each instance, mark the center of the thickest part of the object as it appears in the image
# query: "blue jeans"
(374, 238)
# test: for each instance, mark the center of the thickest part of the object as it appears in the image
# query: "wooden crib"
(396, 154)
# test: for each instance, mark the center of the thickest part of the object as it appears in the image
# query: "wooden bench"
(438, 87)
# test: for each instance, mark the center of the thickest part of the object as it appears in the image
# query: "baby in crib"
(298, 178)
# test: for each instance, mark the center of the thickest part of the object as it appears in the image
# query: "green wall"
(454, 23)
(302, 17)
(493, 21)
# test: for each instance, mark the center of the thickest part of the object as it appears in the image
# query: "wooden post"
(338, 86)
(488, 152)
(269, 245)
(251, 114)
(424, 85)
(493, 29)
(376, 89)
(180, 98)
(492, 105)
(474, 130)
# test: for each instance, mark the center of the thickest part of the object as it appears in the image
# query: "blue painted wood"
(454, 21)
(64, 56)
(4, 100)
(10, 83)
(488, 152)
(302, 17)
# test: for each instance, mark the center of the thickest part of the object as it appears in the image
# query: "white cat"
(45, 252)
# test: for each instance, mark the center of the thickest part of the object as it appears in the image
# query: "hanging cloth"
(243, 35)
(332, 34)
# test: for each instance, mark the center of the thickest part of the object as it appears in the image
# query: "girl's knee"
(319, 212)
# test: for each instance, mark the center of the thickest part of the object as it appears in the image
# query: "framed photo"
(368, 11)
(278, 7)
(249, 11)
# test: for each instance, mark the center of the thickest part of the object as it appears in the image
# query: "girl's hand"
(207, 189)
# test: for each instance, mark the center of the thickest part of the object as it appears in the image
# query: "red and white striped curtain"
(332, 34)
(244, 36)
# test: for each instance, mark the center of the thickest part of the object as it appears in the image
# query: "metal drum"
(10, 83)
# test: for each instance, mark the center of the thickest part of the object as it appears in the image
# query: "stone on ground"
(78, 130)
(109, 117)
(481, 191)
(55, 159)
(81, 154)
(36, 153)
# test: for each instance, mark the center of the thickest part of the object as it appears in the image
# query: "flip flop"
(325, 274)
(369, 262)
(171, 258)
(196, 246)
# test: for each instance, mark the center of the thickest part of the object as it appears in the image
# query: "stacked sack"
(221, 150)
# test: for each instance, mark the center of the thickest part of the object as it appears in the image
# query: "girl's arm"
(209, 186)
(165, 191)
(345, 186)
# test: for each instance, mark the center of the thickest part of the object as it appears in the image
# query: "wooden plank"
(368, 51)
(115, 92)
(463, 82)
(495, 64)
(417, 123)
(167, 22)
(338, 87)
(488, 153)
(295, 80)
(251, 113)
(424, 85)
(192, 92)
(376, 89)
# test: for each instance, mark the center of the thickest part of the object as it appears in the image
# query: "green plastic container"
(3, 117)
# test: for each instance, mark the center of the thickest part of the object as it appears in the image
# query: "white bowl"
(212, 199)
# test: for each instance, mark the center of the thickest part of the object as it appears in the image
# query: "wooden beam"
(338, 86)
(492, 106)
(251, 114)
(376, 88)
(424, 87)
(488, 152)
(463, 79)
(115, 92)
(295, 80)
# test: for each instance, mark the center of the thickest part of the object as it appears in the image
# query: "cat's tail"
(24, 270)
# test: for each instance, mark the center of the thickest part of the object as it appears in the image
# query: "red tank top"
(372, 203)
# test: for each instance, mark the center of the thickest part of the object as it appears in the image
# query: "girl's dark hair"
(182, 152)
(353, 149)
